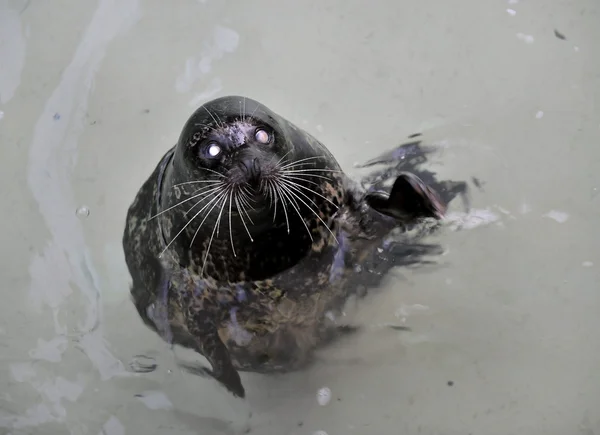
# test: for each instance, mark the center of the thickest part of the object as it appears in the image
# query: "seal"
(247, 239)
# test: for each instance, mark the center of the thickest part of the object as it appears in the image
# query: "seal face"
(248, 236)
(240, 180)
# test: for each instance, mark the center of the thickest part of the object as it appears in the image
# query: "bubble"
(324, 396)
(83, 212)
(142, 364)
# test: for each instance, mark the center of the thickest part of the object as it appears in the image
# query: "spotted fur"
(267, 308)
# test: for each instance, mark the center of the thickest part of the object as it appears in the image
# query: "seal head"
(241, 171)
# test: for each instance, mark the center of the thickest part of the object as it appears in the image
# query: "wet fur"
(264, 310)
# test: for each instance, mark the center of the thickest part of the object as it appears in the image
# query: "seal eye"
(262, 136)
(213, 150)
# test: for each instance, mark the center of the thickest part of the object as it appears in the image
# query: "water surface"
(504, 328)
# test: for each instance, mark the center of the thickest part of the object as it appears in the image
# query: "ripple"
(142, 364)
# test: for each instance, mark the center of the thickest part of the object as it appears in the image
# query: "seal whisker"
(210, 127)
(216, 200)
(184, 201)
(219, 217)
(206, 189)
(254, 111)
(273, 199)
(291, 186)
(216, 226)
(184, 227)
(230, 229)
(290, 195)
(281, 159)
(287, 221)
(322, 177)
(244, 202)
(244, 111)
(214, 172)
(244, 190)
(205, 196)
(237, 204)
(300, 165)
(297, 185)
(192, 207)
(245, 206)
(198, 181)
(211, 115)
(290, 199)
(247, 197)
(300, 161)
(292, 177)
(311, 170)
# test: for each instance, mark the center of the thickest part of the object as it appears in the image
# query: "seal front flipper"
(410, 198)
(209, 344)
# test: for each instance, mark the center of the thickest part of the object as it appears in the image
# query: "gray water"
(505, 327)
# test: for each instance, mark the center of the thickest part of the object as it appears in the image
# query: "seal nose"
(251, 168)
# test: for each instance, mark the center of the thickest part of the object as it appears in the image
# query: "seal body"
(248, 236)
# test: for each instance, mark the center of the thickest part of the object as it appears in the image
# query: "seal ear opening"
(410, 198)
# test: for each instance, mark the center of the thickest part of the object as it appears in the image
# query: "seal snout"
(251, 169)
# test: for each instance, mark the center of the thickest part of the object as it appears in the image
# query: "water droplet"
(320, 432)
(323, 396)
(1, 114)
(56, 116)
(143, 364)
(539, 115)
(83, 212)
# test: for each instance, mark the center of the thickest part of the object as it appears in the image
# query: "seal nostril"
(251, 168)
(256, 167)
